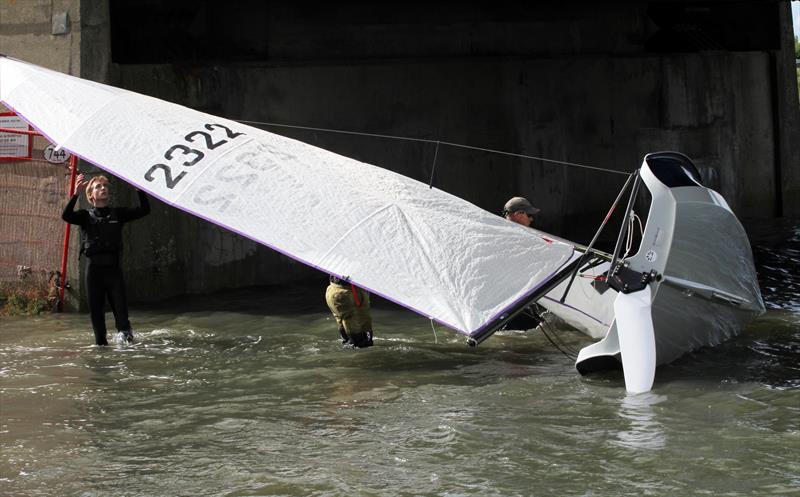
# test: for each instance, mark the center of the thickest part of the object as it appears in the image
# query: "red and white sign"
(14, 145)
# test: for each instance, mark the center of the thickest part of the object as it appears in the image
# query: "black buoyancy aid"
(102, 234)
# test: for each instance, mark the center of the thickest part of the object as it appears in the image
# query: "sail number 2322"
(180, 155)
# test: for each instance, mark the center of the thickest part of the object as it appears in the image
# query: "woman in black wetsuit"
(101, 243)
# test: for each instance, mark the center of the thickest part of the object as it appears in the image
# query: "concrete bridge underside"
(588, 83)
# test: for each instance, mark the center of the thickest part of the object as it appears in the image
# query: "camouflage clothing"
(352, 318)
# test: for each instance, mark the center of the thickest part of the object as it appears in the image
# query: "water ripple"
(221, 397)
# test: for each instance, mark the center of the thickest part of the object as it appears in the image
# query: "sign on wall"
(55, 156)
(14, 146)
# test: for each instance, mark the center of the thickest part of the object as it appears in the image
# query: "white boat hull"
(705, 290)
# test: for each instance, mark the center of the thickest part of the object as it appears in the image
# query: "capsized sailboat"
(692, 283)
(420, 247)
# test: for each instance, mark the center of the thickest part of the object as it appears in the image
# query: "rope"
(629, 238)
(424, 140)
(562, 347)
(435, 338)
(433, 168)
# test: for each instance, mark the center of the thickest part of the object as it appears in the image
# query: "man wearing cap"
(520, 211)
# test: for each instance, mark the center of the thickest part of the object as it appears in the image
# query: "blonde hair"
(91, 184)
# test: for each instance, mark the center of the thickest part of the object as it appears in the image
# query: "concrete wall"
(786, 107)
(577, 87)
(33, 30)
(47, 33)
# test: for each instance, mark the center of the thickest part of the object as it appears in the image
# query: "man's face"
(99, 192)
(521, 217)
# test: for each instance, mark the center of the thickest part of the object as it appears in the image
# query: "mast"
(546, 286)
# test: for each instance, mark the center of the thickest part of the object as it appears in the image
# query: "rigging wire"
(550, 334)
(597, 234)
(433, 167)
(556, 341)
(629, 237)
(435, 338)
(549, 331)
(437, 142)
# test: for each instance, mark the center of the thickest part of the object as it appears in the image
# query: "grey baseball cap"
(520, 204)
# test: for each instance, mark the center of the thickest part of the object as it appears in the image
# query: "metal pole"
(20, 131)
(73, 163)
(597, 235)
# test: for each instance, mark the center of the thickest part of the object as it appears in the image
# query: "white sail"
(425, 249)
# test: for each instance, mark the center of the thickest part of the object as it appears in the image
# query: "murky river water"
(249, 393)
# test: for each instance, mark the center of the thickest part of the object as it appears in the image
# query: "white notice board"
(13, 145)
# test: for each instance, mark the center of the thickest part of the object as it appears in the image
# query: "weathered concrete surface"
(574, 88)
(26, 32)
(787, 118)
(606, 113)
